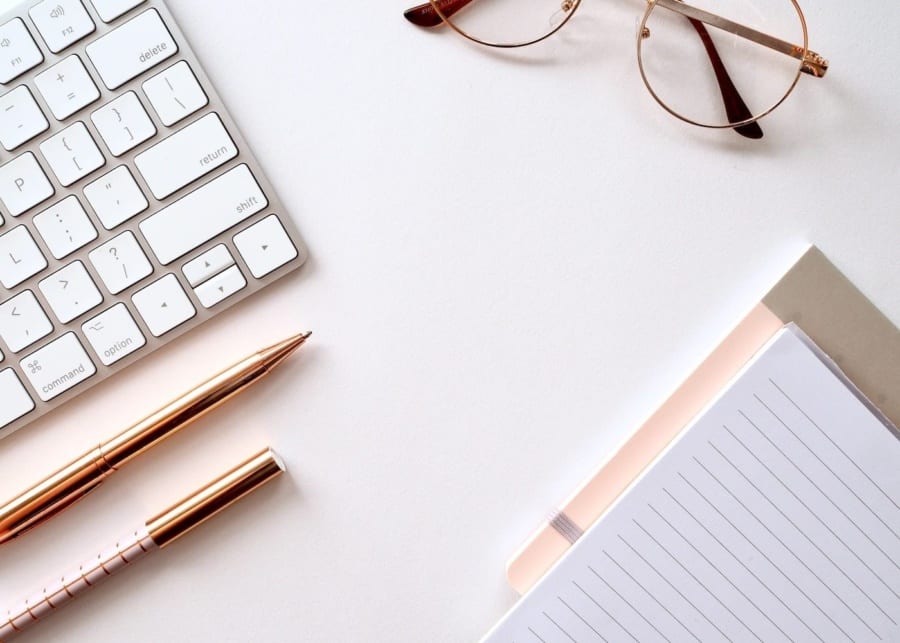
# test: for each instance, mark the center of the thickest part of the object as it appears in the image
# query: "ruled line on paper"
(806, 566)
(808, 538)
(724, 576)
(629, 603)
(604, 610)
(744, 565)
(758, 550)
(672, 585)
(747, 527)
(582, 619)
(815, 545)
(836, 446)
(831, 500)
(699, 582)
(560, 628)
(818, 519)
(651, 595)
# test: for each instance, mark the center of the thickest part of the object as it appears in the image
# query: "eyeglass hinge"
(813, 64)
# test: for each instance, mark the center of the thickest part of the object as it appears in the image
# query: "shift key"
(204, 213)
(130, 50)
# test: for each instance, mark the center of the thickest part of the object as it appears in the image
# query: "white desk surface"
(513, 262)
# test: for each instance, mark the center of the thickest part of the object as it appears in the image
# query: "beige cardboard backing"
(844, 324)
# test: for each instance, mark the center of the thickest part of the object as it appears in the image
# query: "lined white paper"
(774, 517)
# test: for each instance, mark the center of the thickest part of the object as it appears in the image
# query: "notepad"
(774, 516)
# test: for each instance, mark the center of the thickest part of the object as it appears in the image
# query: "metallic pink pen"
(157, 533)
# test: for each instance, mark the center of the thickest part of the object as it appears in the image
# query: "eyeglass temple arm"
(813, 63)
(424, 15)
(735, 107)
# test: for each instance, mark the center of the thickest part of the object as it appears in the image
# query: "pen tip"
(275, 355)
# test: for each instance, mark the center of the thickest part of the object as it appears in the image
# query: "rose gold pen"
(75, 480)
(157, 533)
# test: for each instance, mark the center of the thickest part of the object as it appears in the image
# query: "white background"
(514, 259)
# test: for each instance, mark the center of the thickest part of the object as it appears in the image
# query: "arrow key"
(207, 265)
(164, 305)
(265, 246)
(221, 287)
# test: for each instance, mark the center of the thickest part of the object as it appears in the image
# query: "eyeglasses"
(682, 50)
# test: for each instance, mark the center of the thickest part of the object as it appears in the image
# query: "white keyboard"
(131, 209)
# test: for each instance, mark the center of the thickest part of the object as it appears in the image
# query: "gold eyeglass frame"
(810, 62)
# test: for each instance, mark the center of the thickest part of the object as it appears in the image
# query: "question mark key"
(121, 262)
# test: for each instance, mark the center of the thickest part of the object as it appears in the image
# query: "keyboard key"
(265, 246)
(72, 154)
(103, 106)
(207, 265)
(61, 22)
(109, 10)
(130, 50)
(115, 197)
(20, 118)
(14, 399)
(23, 184)
(65, 227)
(220, 287)
(121, 263)
(175, 93)
(67, 87)
(123, 124)
(59, 366)
(164, 305)
(185, 156)
(207, 211)
(23, 321)
(20, 257)
(70, 292)
(20, 53)
(113, 334)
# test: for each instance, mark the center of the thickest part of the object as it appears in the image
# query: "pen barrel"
(70, 484)
(52, 495)
(182, 411)
(179, 519)
(67, 588)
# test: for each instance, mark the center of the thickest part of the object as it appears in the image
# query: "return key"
(186, 156)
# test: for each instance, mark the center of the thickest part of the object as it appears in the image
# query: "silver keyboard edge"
(245, 156)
